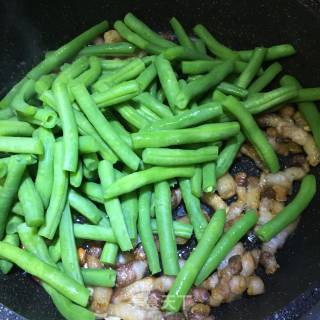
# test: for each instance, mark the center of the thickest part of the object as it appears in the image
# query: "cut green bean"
(273, 53)
(146, 77)
(13, 239)
(93, 191)
(232, 89)
(139, 179)
(213, 45)
(113, 206)
(44, 83)
(16, 169)
(209, 178)
(13, 223)
(181, 230)
(195, 262)
(228, 154)
(204, 133)
(69, 254)
(99, 277)
(91, 232)
(45, 272)
(108, 49)
(15, 128)
(179, 157)
(147, 113)
(6, 114)
(145, 32)
(265, 78)
(168, 246)
(199, 45)
(292, 211)
(109, 254)
(226, 243)
(58, 195)
(90, 161)
(252, 68)
(196, 182)
(31, 203)
(104, 128)
(181, 34)
(76, 177)
(20, 145)
(199, 86)
(114, 64)
(188, 118)
(85, 207)
(183, 53)
(44, 177)
(194, 211)
(55, 251)
(253, 133)
(145, 230)
(91, 75)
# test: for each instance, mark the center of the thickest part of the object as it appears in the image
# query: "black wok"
(28, 28)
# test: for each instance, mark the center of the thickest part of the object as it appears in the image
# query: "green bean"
(196, 182)
(31, 203)
(44, 83)
(153, 104)
(109, 253)
(265, 78)
(87, 145)
(252, 68)
(93, 191)
(128, 72)
(146, 77)
(91, 232)
(199, 45)
(113, 206)
(308, 110)
(204, 133)
(13, 223)
(13, 239)
(253, 133)
(139, 179)
(178, 157)
(16, 169)
(104, 128)
(136, 39)
(15, 128)
(45, 272)
(292, 211)
(17, 209)
(108, 49)
(6, 114)
(183, 53)
(193, 208)
(228, 154)
(188, 118)
(308, 94)
(168, 246)
(85, 126)
(145, 230)
(85, 207)
(91, 75)
(181, 230)
(160, 95)
(119, 129)
(145, 32)
(5, 102)
(119, 93)
(195, 262)
(55, 251)
(228, 240)
(147, 113)
(114, 64)
(99, 277)
(75, 178)
(209, 178)
(232, 89)
(20, 145)
(58, 195)
(273, 53)
(44, 177)
(56, 59)
(167, 79)
(90, 161)
(181, 34)
(212, 44)
(131, 115)
(68, 309)
(69, 127)
(201, 85)
(90, 175)
(69, 254)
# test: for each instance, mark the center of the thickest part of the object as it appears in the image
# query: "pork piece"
(226, 186)
(112, 36)
(249, 151)
(130, 272)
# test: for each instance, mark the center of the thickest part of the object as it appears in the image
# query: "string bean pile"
(106, 131)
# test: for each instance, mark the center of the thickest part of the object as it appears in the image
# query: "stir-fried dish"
(121, 191)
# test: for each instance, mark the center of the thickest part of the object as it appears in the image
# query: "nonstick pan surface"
(28, 28)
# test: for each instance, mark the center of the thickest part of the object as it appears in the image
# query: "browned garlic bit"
(112, 36)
